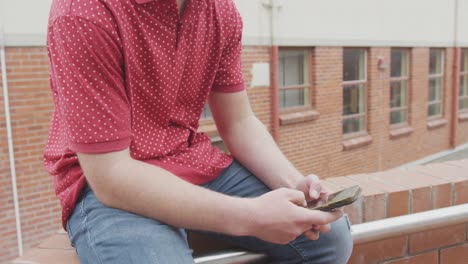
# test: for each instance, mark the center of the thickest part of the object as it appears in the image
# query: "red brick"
(442, 195)
(420, 184)
(421, 199)
(428, 240)
(409, 179)
(426, 258)
(442, 171)
(379, 250)
(454, 255)
(398, 197)
(375, 207)
(398, 203)
(461, 193)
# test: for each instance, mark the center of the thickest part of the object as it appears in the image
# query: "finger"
(296, 197)
(324, 228)
(313, 193)
(323, 218)
(314, 186)
(324, 191)
(312, 234)
(321, 228)
(339, 209)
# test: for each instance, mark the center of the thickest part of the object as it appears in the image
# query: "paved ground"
(462, 154)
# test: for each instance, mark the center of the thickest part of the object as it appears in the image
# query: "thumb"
(297, 197)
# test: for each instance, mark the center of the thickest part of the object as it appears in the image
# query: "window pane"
(353, 99)
(397, 117)
(292, 68)
(354, 64)
(352, 125)
(463, 86)
(463, 103)
(399, 63)
(398, 94)
(206, 113)
(292, 97)
(435, 88)
(434, 109)
(464, 60)
(436, 61)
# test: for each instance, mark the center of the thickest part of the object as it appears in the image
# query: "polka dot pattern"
(137, 74)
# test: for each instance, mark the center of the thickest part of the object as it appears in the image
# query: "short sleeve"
(229, 77)
(87, 81)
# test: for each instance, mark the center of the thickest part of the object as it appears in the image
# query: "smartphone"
(336, 200)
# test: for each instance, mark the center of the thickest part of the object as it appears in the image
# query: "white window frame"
(347, 84)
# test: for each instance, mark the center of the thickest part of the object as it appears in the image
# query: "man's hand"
(280, 217)
(313, 190)
(311, 187)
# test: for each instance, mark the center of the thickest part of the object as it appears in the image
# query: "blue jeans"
(103, 235)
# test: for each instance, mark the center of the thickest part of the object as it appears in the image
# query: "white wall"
(463, 23)
(24, 21)
(356, 22)
(298, 22)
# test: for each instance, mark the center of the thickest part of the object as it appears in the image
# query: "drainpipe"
(10, 144)
(456, 81)
(274, 53)
(274, 92)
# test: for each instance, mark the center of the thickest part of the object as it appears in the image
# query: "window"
(463, 92)
(436, 78)
(354, 90)
(206, 113)
(399, 87)
(293, 78)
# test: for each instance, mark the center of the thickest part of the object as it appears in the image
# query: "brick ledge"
(463, 116)
(353, 143)
(297, 117)
(436, 123)
(385, 194)
(400, 132)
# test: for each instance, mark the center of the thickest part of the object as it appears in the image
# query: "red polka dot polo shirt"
(137, 74)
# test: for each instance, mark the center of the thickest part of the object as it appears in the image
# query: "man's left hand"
(311, 187)
(313, 190)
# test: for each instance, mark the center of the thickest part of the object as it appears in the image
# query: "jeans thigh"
(102, 235)
(236, 180)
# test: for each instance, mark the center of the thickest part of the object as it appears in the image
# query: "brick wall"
(260, 97)
(314, 146)
(31, 109)
(405, 191)
(7, 216)
(317, 146)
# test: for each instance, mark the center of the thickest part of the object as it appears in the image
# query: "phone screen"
(337, 199)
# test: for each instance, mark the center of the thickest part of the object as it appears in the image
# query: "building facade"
(343, 86)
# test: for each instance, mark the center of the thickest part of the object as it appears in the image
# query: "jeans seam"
(348, 222)
(298, 250)
(88, 232)
(69, 232)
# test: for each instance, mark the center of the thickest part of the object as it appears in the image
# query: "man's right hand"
(280, 216)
